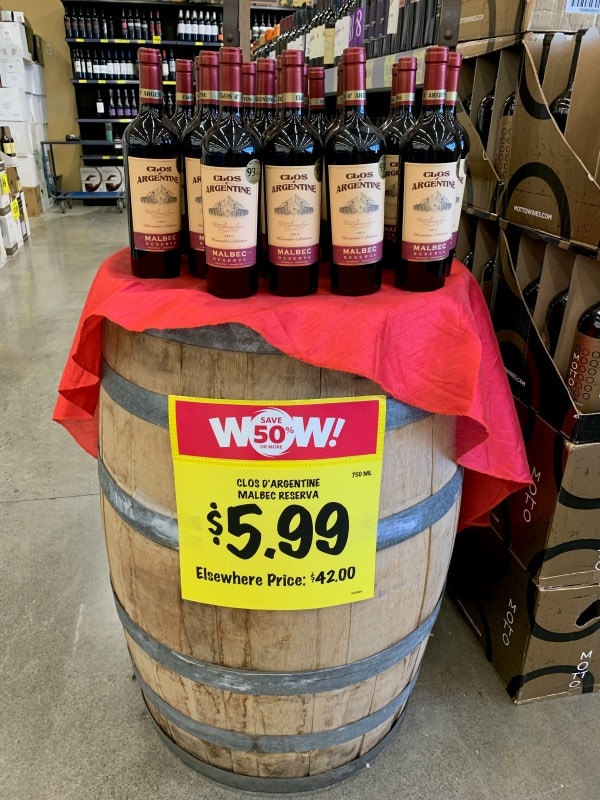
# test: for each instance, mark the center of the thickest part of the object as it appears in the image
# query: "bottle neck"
(150, 93)
(434, 88)
(230, 91)
(355, 94)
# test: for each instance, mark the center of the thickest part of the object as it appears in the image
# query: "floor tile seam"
(42, 499)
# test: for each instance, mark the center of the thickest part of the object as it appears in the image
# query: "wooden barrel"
(266, 701)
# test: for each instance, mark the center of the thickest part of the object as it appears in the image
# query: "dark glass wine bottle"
(401, 120)
(184, 95)
(427, 186)
(583, 377)
(530, 293)
(248, 90)
(355, 157)
(321, 122)
(452, 78)
(504, 143)
(152, 175)
(484, 118)
(207, 102)
(468, 260)
(559, 108)
(265, 95)
(230, 187)
(293, 163)
(555, 314)
(486, 281)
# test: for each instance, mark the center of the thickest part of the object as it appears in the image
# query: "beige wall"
(46, 17)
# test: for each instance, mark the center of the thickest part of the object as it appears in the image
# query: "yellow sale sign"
(277, 502)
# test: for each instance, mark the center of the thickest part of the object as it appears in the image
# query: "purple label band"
(293, 256)
(197, 240)
(453, 240)
(230, 256)
(355, 256)
(156, 242)
(416, 251)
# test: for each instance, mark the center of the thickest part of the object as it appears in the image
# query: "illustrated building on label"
(228, 208)
(362, 204)
(295, 205)
(435, 202)
(159, 196)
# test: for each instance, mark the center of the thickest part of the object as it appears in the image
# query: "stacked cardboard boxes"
(23, 102)
(529, 584)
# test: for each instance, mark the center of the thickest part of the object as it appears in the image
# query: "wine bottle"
(8, 143)
(88, 26)
(165, 66)
(321, 122)
(95, 25)
(329, 37)
(130, 25)
(158, 25)
(354, 153)
(99, 104)
(583, 378)
(81, 25)
(184, 95)
(126, 106)
(137, 25)
(486, 281)
(468, 260)
(112, 111)
(188, 26)
(401, 120)
(124, 27)
(120, 109)
(530, 293)
(553, 321)
(484, 118)
(248, 90)
(151, 28)
(427, 185)
(197, 26)
(452, 78)
(292, 156)
(504, 143)
(151, 158)
(68, 26)
(559, 108)
(230, 187)
(172, 66)
(76, 64)
(180, 26)
(145, 28)
(207, 102)
(265, 95)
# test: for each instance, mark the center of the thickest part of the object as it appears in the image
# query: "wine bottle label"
(433, 96)
(155, 198)
(504, 145)
(317, 45)
(292, 99)
(461, 181)
(230, 196)
(357, 199)
(355, 97)
(248, 99)
(193, 180)
(231, 97)
(393, 17)
(342, 36)
(265, 100)
(392, 163)
(583, 379)
(207, 96)
(328, 46)
(184, 98)
(429, 198)
(293, 199)
(150, 95)
(316, 103)
(99, 107)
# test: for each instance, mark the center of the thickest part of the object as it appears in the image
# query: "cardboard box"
(542, 642)
(34, 79)
(33, 200)
(13, 33)
(3, 253)
(29, 172)
(485, 19)
(553, 182)
(536, 379)
(24, 134)
(38, 112)
(12, 68)
(14, 105)
(113, 178)
(11, 232)
(14, 181)
(553, 526)
(91, 180)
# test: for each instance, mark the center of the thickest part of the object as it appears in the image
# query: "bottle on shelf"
(197, 26)
(468, 260)
(89, 66)
(145, 28)
(188, 26)
(583, 377)
(355, 157)
(180, 26)
(120, 109)
(130, 25)
(555, 314)
(76, 65)
(68, 26)
(293, 162)
(165, 66)
(172, 66)
(8, 143)
(110, 67)
(486, 281)
(150, 142)
(88, 26)
(401, 119)
(112, 109)
(214, 28)
(124, 26)
(248, 90)
(95, 25)
(231, 150)
(321, 122)
(530, 293)
(220, 34)
(81, 25)
(207, 102)
(184, 95)
(151, 28)
(427, 186)
(158, 25)
(254, 31)
(559, 108)
(452, 78)
(137, 25)
(484, 117)
(99, 104)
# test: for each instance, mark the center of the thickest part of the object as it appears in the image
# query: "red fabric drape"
(436, 351)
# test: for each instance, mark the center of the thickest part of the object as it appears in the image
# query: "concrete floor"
(73, 723)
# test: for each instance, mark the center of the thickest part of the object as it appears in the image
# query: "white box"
(12, 68)
(27, 167)
(24, 134)
(41, 135)
(3, 254)
(113, 178)
(37, 105)
(11, 233)
(34, 79)
(14, 105)
(6, 16)
(14, 33)
(91, 180)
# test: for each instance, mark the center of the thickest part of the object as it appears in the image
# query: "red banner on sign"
(285, 431)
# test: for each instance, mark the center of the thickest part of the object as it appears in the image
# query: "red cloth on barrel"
(436, 351)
